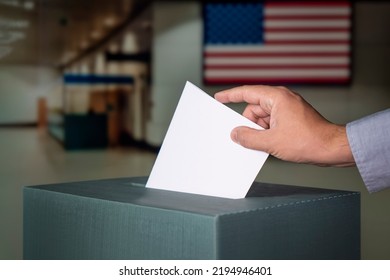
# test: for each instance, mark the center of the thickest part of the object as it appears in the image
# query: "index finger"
(249, 94)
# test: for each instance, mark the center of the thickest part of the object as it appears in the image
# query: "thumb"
(251, 138)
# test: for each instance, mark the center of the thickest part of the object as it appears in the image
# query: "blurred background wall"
(172, 33)
(21, 86)
(177, 52)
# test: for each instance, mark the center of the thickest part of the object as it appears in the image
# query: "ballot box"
(121, 219)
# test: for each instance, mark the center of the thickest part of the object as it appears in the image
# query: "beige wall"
(177, 58)
(20, 88)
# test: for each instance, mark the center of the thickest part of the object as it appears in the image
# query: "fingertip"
(234, 135)
(219, 96)
(238, 134)
(250, 138)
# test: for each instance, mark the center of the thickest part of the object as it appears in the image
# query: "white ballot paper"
(198, 156)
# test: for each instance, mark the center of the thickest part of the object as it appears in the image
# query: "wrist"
(340, 153)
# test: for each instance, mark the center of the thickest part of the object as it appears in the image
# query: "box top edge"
(262, 196)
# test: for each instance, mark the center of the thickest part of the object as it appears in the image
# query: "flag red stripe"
(305, 17)
(275, 80)
(314, 43)
(319, 41)
(306, 4)
(276, 54)
(306, 29)
(272, 66)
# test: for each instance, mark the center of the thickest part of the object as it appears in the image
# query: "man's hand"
(294, 130)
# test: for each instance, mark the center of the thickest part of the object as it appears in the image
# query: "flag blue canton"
(234, 23)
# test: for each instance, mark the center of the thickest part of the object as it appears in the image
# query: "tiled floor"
(30, 157)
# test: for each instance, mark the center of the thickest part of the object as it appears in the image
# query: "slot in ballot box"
(121, 219)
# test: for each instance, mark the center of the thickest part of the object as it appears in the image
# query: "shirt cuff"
(369, 139)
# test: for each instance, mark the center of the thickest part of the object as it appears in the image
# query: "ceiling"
(57, 32)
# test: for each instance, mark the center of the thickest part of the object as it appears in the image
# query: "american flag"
(277, 42)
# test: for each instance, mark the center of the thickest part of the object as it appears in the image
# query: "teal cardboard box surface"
(121, 219)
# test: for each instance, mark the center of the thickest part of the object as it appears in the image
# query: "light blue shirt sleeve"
(369, 139)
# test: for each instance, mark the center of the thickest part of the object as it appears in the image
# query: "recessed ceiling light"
(110, 21)
(27, 5)
(9, 37)
(84, 44)
(10, 2)
(13, 23)
(96, 34)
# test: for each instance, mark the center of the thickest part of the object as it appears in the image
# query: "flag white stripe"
(307, 36)
(312, 73)
(343, 23)
(307, 48)
(276, 61)
(306, 11)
